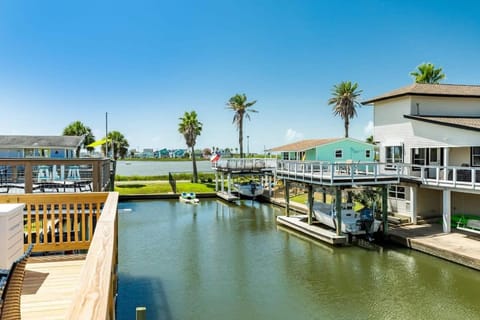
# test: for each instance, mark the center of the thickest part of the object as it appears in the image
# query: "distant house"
(147, 153)
(162, 153)
(60, 147)
(331, 150)
(178, 153)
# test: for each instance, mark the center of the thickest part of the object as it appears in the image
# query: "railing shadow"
(141, 292)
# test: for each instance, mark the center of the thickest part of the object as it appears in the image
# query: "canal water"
(158, 168)
(231, 261)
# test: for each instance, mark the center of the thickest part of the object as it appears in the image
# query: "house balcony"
(72, 273)
(54, 175)
(456, 177)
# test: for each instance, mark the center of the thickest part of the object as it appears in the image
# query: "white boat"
(250, 189)
(189, 197)
(352, 222)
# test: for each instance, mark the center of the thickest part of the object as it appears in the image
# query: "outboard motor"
(366, 219)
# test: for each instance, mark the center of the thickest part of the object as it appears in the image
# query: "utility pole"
(106, 134)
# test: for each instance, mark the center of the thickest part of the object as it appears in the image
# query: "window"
(475, 156)
(338, 153)
(394, 154)
(419, 157)
(285, 156)
(367, 153)
(396, 192)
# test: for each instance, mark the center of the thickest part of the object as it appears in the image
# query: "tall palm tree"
(118, 144)
(344, 99)
(427, 73)
(77, 128)
(238, 103)
(191, 128)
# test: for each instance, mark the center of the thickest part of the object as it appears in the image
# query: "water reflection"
(221, 261)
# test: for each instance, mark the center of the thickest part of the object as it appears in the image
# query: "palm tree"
(238, 103)
(191, 128)
(370, 140)
(344, 100)
(118, 145)
(77, 128)
(427, 73)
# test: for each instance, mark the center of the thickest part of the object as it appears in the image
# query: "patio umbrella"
(99, 142)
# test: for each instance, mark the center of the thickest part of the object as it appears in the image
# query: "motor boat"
(250, 189)
(353, 222)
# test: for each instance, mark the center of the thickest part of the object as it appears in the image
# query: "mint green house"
(330, 150)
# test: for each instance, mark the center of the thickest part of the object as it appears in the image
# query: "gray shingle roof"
(70, 142)
(425, 89)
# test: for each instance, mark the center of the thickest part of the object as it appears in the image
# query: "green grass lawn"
(146, 188)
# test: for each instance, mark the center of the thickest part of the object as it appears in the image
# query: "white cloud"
(292, 135)
(368, 129)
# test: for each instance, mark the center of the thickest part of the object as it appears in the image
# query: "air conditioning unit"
(11, 234)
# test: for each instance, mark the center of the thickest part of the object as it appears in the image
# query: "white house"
(431, 133)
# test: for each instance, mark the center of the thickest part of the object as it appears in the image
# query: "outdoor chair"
(10, 299)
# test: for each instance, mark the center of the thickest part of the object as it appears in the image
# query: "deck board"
(49, 286)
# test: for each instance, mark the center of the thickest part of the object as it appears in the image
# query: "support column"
(216, 181)
(310, 203)
(324, 195)
(413, 204)
(270, 183)
(385, 209)
(447, 210)
(222, 187)
(287, 198)
(338, 209)
(446, 156)
(229, 177)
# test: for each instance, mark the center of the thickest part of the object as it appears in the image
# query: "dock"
(227, 196)
(299, 223)
(457, 246)
(49, 286)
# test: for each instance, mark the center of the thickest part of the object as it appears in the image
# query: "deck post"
(28, 177)
(324, 195)
(222, 186)
(413, 203)
(447, 210)
(229, 178)
(141, 313)
(310, 203)
(385, 209)
(287, 198)
(338, 209)
(446, 155)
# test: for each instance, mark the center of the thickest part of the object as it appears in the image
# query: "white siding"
(445, 106)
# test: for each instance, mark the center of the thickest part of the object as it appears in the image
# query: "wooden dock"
(227, 196)
(299, 223)
(49, 286)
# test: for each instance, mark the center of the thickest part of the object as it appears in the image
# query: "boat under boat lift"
(312, 174)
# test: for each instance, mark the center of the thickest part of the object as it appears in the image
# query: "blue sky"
(147, 62)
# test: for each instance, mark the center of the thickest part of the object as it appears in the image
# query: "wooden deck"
(49, 286)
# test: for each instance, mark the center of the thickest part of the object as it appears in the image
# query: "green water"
(220, 261)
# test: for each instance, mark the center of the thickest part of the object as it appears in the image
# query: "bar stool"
(73, 173)
(43, 173)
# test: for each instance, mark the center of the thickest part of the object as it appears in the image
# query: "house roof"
(71, 142)
(467, 123)
(303, 145)
(425, 89)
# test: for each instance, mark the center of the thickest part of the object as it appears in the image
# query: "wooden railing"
(78, 221)
(46, 174)
(95, 298)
